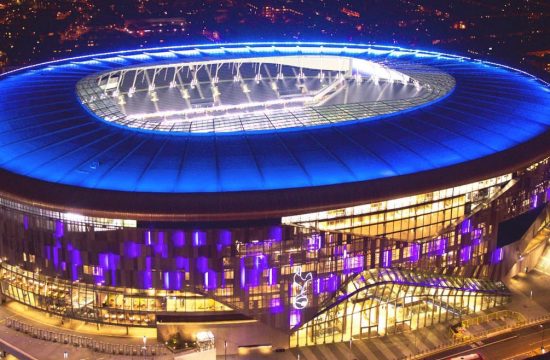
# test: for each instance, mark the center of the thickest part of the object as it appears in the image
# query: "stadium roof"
(495, 118)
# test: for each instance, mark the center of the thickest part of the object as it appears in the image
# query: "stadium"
(270, 194)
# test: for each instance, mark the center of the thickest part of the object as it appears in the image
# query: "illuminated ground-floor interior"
(389, 301)
(373, 303)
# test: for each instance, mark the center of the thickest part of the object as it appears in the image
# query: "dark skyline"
(512, 32)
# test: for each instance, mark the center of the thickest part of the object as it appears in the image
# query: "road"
(515, 345)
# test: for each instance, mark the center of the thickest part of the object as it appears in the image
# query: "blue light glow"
(516, 113)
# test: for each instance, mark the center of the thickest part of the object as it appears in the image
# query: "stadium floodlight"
(321, 76)
(227, 108)
(215, 91)
(184, 93)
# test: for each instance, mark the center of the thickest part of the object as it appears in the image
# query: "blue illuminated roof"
(48, 135)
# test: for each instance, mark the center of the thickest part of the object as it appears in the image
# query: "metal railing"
(87, 342)
(498, 315)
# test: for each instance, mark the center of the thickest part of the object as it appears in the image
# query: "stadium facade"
(272, 194)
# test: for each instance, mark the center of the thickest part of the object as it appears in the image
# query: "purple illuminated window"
(108, 261)
(466, 253)
(414, 252)
(182, 263)
(210, 282)
(260, 262)
(178, 239)
(74, 272)
(131, 249)
(243, 276)
(76, 261)
(441, 246)
(466, 224)
(176, 280)
(353, 264)
(253, 277)
(199, 238)
(386, 258)
(75, 257)
(225, 238)
(272, 276)
(147, 279)
(202, 264)
(497, 256)
(160, 247)
(59, 230)
(276, 233)
(148, 262)
(166, 280)
(295, 318)
(327, 284)
(534, 201)
(55, 253)
(476, 236)
(314, 242)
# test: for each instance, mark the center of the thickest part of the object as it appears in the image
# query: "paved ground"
(45, 350)
(515, 345)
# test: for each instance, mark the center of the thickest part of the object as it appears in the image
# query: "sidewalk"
(46, 350)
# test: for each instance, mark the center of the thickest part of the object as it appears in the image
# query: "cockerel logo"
(301, 283)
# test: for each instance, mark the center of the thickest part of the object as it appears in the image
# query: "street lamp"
(65, 354)
(144, 348)
(225, 349)
(542, 351)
